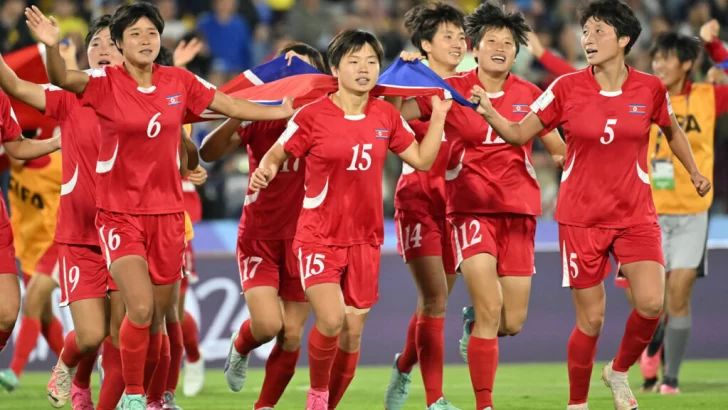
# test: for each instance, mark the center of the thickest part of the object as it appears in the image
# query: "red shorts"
(48, 263)
(270, 263)
(355, 268)
(420, 234)
(159, 239)
(585, 251)
(7, 250)
(83, 273)
(510, 238)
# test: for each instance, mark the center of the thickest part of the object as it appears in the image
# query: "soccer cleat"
(194, 377)
(155, 405)
(133, 402)
(398, 388)
(81, 399)
(59, 387)
(317, 400)
(649, 365)
(442, 404)
(236, 367)
(8, 380)
(669, 390)
(468, 320)
(168, 402)
(582, 406)
(618, 383)
(650, 386)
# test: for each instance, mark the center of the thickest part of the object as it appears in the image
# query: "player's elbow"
(423, 166)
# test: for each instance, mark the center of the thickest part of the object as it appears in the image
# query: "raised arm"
(553, 63)
(25, 91)
(421, 156)
(680, 146)
(514, 133)
(249, 111)
(709, 34)
(220, 142)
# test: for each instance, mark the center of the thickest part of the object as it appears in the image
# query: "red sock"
(85, 368)
(190, 338)
(431, 355)
(150, 364)
(53, 334)
(483, 363)
(113, 386)
(176, 349)
(342, 373)
(245, 342)
(321, 355)
(155, 392)
(134, 344)
(581, 351)
(24, 344)
(4, 337)
(637, 335)
(279, 370)
(71, 355)
(408, 359)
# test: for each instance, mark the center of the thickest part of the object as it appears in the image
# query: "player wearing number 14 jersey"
(605, 201)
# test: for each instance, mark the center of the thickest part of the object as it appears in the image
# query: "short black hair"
(317, 60)
(422, 21)
(350, 41)
(490, 15)
(686, 48)
(128, 14)
(96, 26)
(165, 57)
(617, 14)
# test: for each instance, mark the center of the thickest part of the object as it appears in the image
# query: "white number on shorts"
(250, 265)
(356, 161)
(412, 239)
(317, 260)
(154, 126)
(489, 137)
(114, 240)
(72, 276)
(610, 131)
(476, 236)
(284, 168)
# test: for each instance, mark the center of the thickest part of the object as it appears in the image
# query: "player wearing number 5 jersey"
(141, 107)
(268, 267)
(344, 138)
(605, 202)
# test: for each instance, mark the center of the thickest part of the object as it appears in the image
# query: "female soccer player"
(141, 221)
(340, 228)
(605, 202)
(437, 30)
(268, 267)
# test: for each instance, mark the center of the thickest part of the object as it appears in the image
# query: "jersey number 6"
(154, 127)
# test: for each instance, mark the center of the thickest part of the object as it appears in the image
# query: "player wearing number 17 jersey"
(605, 201)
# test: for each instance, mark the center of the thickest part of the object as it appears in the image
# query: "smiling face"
(600, 42)
(448, 45)
(668, 68)
(496, 51)
(141, 42)
(358, 70)
(102, 51)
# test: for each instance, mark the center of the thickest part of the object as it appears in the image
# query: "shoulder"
(648, 80)
(461, 80)
(101, 71)
(566, 80)
(382, 107)
(526, 86)
(305, 115)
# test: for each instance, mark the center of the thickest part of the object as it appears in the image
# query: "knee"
(512, 327)
(350, 340)
(435, 305)
(650, 306)
(488, 312)
(291, 337)
(330, 323)
(140, 312)
(267, 329)
(8, 319)
(591, 323)
(677, 304)
(90, 340)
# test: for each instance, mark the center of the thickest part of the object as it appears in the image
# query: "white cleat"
(619, 384)
(236, 367)
(194, 377)
(582, 406)
(59, 387)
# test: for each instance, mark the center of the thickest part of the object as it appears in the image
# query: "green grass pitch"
(518, 387)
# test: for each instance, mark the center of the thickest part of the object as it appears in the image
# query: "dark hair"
(127, 15)
(317, 60)
(96, 26)
(350, 41)
(422, 21)
(686, 48)
(489, 16)
(617, 14)
(165, 57)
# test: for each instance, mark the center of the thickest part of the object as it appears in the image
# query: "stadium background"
(240, 34)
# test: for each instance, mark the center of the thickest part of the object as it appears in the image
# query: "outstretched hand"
(44, 28)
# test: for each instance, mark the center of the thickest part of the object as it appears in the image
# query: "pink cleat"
(81, 399)
(650, 365)
(155, 405)
(317, 400)
(669, 390)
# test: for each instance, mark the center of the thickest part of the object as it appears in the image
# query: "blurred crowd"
(240, 34)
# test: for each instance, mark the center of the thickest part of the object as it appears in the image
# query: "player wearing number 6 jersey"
(605, 202)
(344, 137)
(268, 266)
(140, 222)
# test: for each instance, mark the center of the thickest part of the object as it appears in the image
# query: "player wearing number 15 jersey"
(605, 202)
(344, 137)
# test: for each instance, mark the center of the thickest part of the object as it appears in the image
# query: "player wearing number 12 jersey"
(344, 138)
(605, 201)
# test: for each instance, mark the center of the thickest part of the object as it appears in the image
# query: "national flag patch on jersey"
(174, 99)
(638, 109)
(382, 133)
(520, 108)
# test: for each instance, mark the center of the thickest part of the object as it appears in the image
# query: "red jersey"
(10, 131)
(272, 213)
(138, 166)
(484, 173)
(604, 183)
(81, 134)
(423, 191)
(345, 157)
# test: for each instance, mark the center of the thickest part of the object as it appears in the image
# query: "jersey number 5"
(363, 162)
(610, 131)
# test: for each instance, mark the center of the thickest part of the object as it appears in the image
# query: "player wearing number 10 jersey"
(605, 202)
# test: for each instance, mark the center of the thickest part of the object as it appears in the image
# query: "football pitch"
(518, 387)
